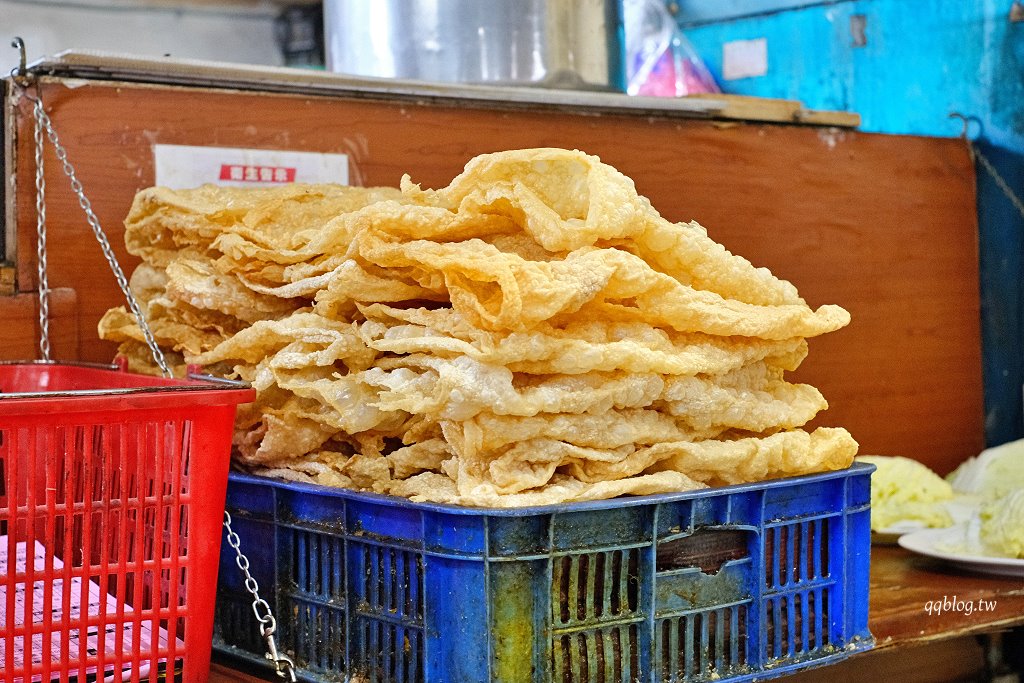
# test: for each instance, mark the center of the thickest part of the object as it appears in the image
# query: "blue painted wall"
(922, 60)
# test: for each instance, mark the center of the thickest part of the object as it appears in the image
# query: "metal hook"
(966, 121)
(22, 69)
(19, 74)
(963, 120)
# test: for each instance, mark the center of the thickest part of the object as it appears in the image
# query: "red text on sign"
(257, 174)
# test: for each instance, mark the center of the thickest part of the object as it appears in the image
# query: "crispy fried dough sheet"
(371, 471)
(487, 432)
(533, 333)
(343, 402)
(756, 459)
(140, 359)
(437, 488)
(567, 199)
(497, 290)
(311, 358)
(118, 325)
(330, 341)
(196, 282)
(307, 470)
(423, 456)
(147, 282)
(461, 387)
(579, 347)
(322, 250)
(175, 325)
(282, 433)
(338, 290)
(725, 402)
(754, 398)
(532, 463)
(163, 221)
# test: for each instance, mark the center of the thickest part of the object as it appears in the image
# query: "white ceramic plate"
(955, 545)
(962, 509)
(891, 535)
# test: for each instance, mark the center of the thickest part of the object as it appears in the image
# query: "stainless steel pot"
(557, 43)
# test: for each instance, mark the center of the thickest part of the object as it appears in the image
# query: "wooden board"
(8, 280)
(883, 225)
(782, 111)
(948, 661)
(20, 326)
(903, 584)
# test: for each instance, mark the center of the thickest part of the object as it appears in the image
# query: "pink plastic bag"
(660, 61)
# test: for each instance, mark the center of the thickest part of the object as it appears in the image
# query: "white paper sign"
(56, 609)
(744, 59)
(181, 167)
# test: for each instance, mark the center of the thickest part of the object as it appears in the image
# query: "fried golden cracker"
(533, 333)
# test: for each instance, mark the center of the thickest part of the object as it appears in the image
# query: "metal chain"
(998, 178)
(41, 269)
(283, 664)
(977, 156)
(43, 120)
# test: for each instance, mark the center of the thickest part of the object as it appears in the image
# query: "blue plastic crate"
(731, 583)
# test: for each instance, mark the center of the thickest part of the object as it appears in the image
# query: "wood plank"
(883, 225)
(748, 108)
(843, 119)
(951, 661)
(20, 316)
(752, 108)
(225, 672)
(7, 279)
(904, 585)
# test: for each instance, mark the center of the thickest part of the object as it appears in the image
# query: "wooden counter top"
(903, 586)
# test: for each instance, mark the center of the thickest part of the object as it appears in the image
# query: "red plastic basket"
(111, 500)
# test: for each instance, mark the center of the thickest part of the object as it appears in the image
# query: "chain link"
(283, 664)
(43, 123)
(1000, 182)
(982, 160)
(41, 269)
(261, 609)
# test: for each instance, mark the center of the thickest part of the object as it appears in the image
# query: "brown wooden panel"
(883, 225)
(948, 661)
(20, 326)
(903, 583)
